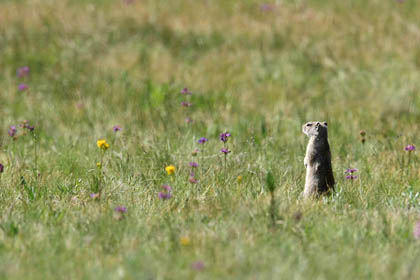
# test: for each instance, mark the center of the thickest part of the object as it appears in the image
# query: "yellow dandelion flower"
(239, 179)
(170, 169)
(185, 241)
(99, 165)
(102, 144)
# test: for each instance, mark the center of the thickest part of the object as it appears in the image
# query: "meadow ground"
(257, 70)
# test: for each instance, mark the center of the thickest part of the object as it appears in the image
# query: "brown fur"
(319, 174)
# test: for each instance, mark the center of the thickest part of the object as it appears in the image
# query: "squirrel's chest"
(313, 154)
(311, 151)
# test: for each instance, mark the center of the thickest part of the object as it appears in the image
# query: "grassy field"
(258, 70)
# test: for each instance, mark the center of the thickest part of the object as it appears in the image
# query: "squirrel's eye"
(308, 124)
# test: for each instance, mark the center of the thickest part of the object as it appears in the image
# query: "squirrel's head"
(315, 129)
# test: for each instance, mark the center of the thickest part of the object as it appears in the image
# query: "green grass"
(259, 74)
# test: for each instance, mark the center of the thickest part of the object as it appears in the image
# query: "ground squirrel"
(319, 175)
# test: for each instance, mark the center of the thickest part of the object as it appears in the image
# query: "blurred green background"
(256, 69)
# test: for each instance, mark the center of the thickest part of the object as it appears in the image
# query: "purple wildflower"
(164, 196)
(351, 170)
(202, 140)
(193, 164)
(26, 125)
(167, 188)
(188, 120)
(186, 104)
(410, 148)
(120, 209)
(224, 137)
(351, 177)
(192, 180)
(22, 71)
(416, 230)
(94, 195)
(266, 7)
(198, 265)
(225, 151)
(22, 87)
(116, 128)
(12, 131)
(186, 91)
(1, 168)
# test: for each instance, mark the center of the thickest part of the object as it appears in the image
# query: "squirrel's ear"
(325, 123)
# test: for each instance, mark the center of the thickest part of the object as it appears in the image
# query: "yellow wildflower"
(239, 179)
(185, 241)
(170, 169)
(102, 144)
(99, 165)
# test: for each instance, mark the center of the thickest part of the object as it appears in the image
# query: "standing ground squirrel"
(319, 175)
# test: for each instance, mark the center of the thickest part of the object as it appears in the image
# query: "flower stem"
(35, 156)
